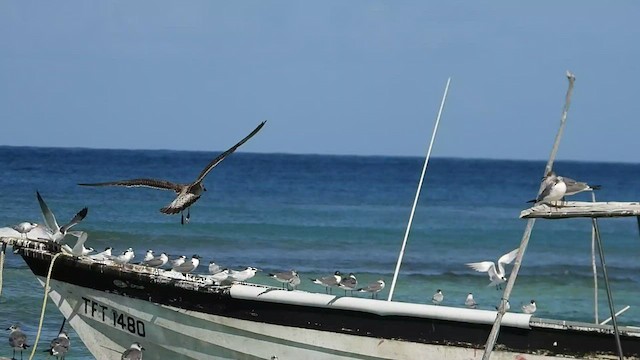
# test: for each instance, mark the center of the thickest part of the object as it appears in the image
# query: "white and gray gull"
(56, 232)
(188, 194)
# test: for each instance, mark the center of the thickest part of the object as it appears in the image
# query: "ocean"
(320, 213)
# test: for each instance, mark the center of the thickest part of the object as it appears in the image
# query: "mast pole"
(415, 200)
(594, 267)
(603, 265)
(493, 335)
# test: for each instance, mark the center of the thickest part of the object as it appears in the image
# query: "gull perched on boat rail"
(470, 302)
(529, 308)
(348, 283)
(437, 298)
(59, 346)
(287, 278)
(373, 288)
(497, 276)
(103, 255)
(329, 281)
(188, 194)
(134, 352)
(78, 248)
(157, 261)
(24, 227)
(243, 275)
(188, 265)
(57, 233)
(123, 258)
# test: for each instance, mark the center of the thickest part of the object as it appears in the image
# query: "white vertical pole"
(594, 267)
(415, 200)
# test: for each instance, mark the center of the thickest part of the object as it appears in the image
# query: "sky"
(330, 77)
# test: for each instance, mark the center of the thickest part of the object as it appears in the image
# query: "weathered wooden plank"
(581, 209)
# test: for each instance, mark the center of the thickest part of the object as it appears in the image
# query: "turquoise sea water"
(318, 214)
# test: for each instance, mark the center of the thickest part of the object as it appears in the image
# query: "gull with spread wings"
(188, 194)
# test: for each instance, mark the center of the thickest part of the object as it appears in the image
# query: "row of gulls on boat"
(187, 194)
(348, 283)
(555, 188)
(58, 347)
(470, 302)
(49, 231)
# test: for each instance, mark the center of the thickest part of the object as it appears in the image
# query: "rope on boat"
(44, 304)
(4, 248)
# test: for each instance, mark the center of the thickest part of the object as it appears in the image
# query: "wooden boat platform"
(582, 209)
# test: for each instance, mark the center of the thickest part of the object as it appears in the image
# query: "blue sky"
(331, 77)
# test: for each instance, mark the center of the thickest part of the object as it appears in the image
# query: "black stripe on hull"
(217, 301)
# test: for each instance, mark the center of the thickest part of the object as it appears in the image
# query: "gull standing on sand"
(437, 298)
(348, 283)
(59, 346)
(188, 194)
(243, 275)
(554, 189)
(497, 276)
(373, 288)
(17, 339)
(470, 302)
(287, 278)
(57, 233)
(133, 353)
(157, 261)
(329, 281)
(529, 308)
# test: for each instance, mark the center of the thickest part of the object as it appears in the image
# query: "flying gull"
(470, 302)
(373, 288)
(17, 339)
(58, 232)
(437, 298)
(134, 352)
(188, 194)
(59, 346)
(497, 276)
(529, 308)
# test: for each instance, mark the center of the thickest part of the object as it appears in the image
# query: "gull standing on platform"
(148, 256)
(17, 340)
(57, 233)
(554, 189)
(214, 268)
(529, 308)
(60, 345)
(103, 255)
(470, 302)
(497, 276)
(78, 249)
(188, 194)
(133, 353)
(24, 227)
(123, 258)
(373, 288)
(437, 298)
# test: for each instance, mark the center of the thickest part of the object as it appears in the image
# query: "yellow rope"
(44, 304)
(4, 247)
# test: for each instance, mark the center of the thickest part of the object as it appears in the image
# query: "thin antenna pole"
(415, 200)
(594, 267)
(603, 266)
(493, 335)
